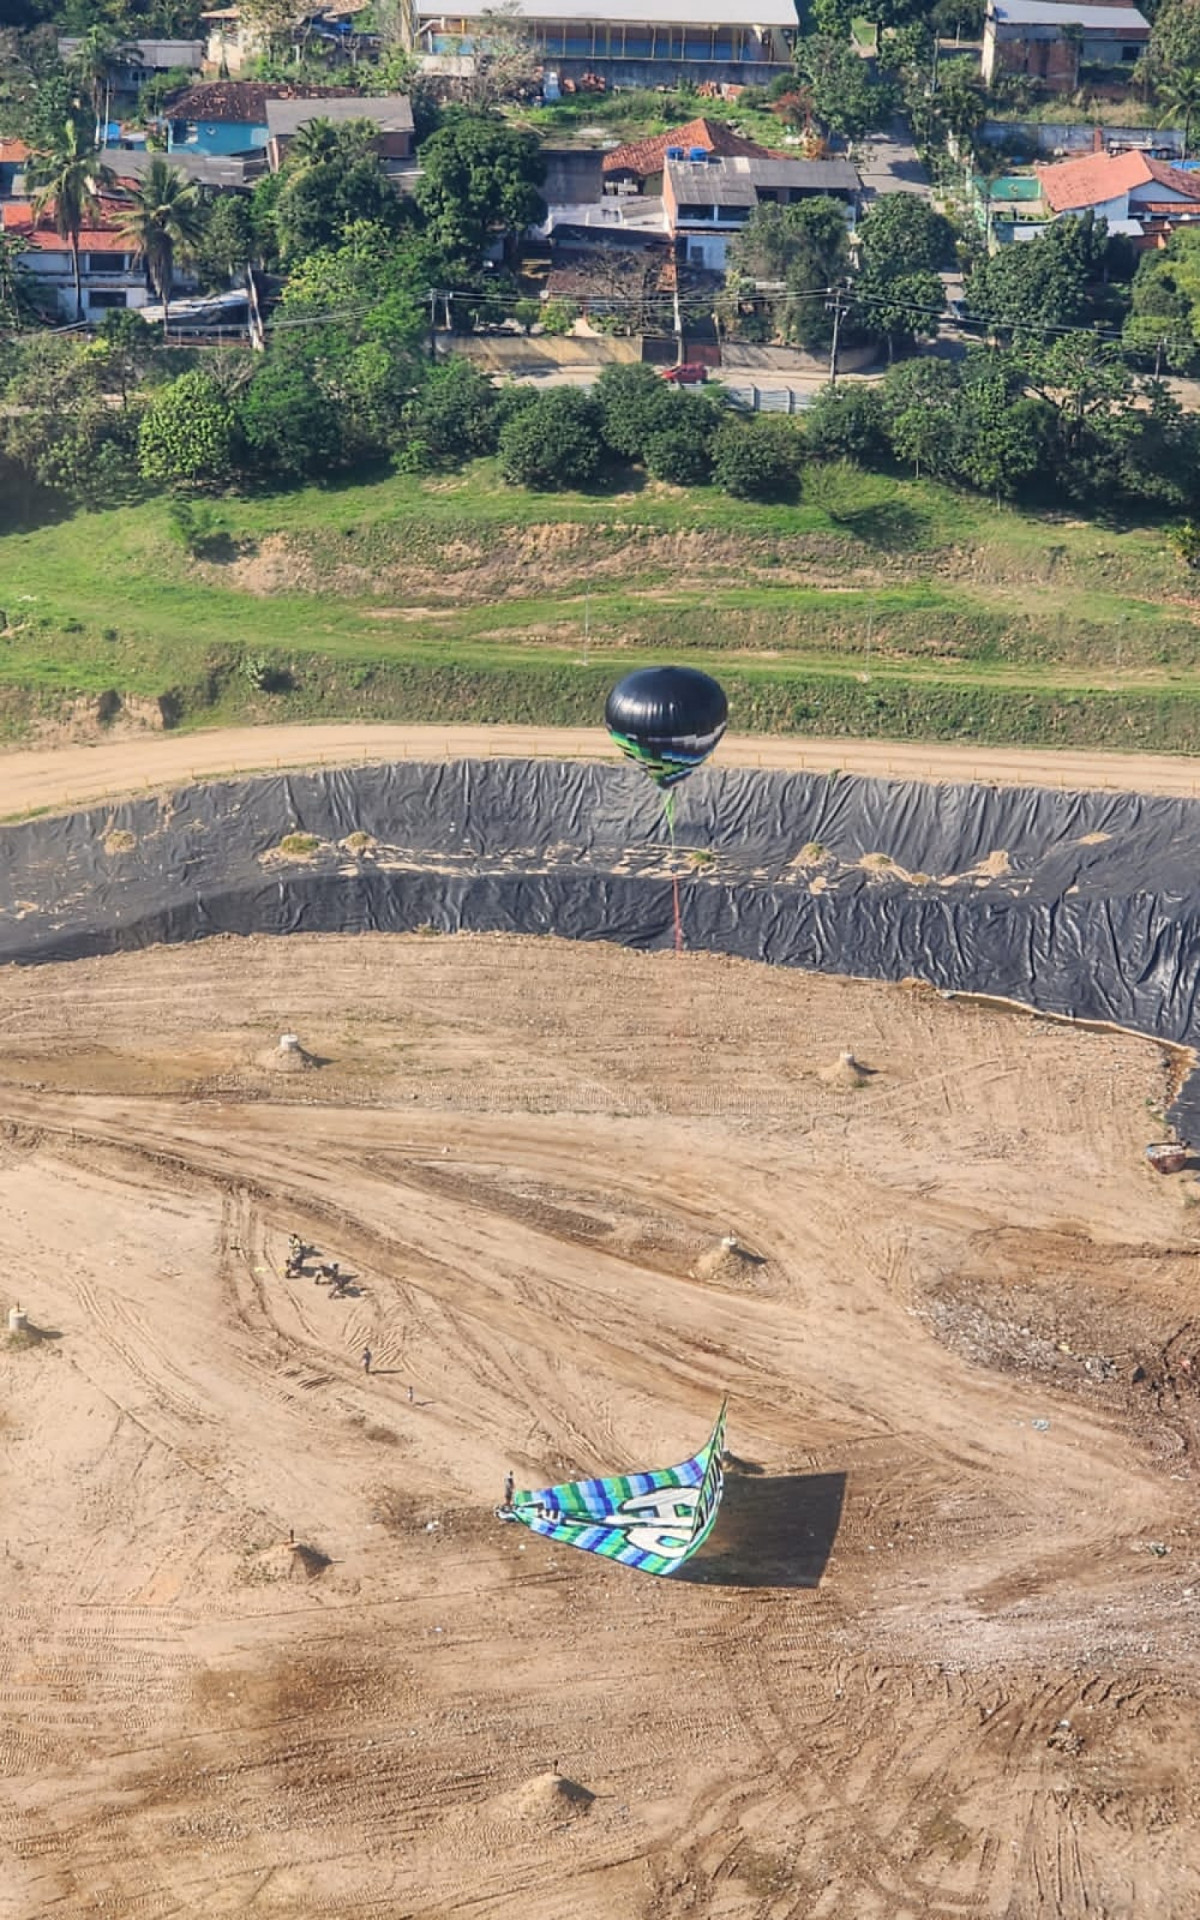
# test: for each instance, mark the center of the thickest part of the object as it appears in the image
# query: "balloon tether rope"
(669, 809)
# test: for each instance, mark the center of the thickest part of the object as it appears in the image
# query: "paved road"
(888, 163)
(57, 778)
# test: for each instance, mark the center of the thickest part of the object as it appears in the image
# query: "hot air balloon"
(667, 719)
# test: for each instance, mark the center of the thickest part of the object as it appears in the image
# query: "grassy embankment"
(872, 607)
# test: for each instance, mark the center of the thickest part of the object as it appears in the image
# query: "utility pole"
(837, 327)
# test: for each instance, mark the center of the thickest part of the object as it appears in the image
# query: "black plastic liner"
(1085, 905)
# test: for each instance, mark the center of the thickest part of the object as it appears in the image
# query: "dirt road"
(53, 778)
(263, 1646)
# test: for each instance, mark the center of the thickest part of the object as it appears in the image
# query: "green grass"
(873, 605)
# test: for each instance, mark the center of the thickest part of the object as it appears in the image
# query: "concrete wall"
(668, 73)
(538, 353)
(1079, 139)
(738, 357)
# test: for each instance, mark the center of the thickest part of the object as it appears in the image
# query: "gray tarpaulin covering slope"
(1079, 904)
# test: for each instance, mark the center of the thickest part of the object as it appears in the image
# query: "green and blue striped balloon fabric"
(653, 1521)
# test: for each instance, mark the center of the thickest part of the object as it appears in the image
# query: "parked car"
(691, 373)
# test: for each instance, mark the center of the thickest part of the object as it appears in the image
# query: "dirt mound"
(728, 1264)
(287, 1056)
(845, 1071)
(549, 1797)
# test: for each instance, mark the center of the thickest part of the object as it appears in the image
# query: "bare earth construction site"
(264, 1647)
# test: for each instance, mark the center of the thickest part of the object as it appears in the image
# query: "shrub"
(293, 430)
(454, 415)
(187, 436)
(555, 442)
(635, 404)
(1185, 541)
(847, 423)
(194, 524)
(682, 455)
(757, 459)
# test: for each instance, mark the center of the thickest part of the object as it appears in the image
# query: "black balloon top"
(674, 708)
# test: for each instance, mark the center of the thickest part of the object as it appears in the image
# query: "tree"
(479, 177)
(908, 50)
(1174, 42)
(553, 443)
(100, 50)
(1000, 437)
(920, 409)
(272, 18)
(681, 453)
(957, 17)
(320, 141)
(960, 105)
(757, 459)
(163, 220)
(187, 436)
(833, 19)
(68, 176)
(898, 310)
(125, 351)
(506, 61)
(901, 233)
(807, 247)
(291, 427)
(16, 286)
(902, 243)
(355, 320)
(845, 98)
(320, 198)
(635, 403)
(229, 243)
(453, 417)
(1042, 284)
(1179, 99)
(847, 423)
(61, 425)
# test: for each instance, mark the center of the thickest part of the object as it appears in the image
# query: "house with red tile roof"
(230, 116)
(640, 163)
(111, 274)
(1117, 187)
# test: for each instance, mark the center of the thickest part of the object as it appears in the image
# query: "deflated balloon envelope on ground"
(667, 720)
(654, 1521)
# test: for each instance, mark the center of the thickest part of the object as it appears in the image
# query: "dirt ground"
(123, 759)
(264, 1647)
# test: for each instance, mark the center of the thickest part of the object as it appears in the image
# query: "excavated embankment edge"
(1082, 905)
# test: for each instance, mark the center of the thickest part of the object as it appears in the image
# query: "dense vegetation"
(162, 500)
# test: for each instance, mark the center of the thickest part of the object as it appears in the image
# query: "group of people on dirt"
(330, 1272)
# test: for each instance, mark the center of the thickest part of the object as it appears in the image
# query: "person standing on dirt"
(510, 1489)
(366, 1359)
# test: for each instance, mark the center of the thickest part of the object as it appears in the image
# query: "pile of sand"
(729, 1264)
(287, 1057)
(845, 1071)
(548, 1797)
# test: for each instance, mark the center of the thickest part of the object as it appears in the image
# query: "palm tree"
(69, 176)
(163, 218)
(1179, 98)
(315, 142)
(98, 52)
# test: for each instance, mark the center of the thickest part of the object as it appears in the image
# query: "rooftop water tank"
(698, 153)
(674, 153)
